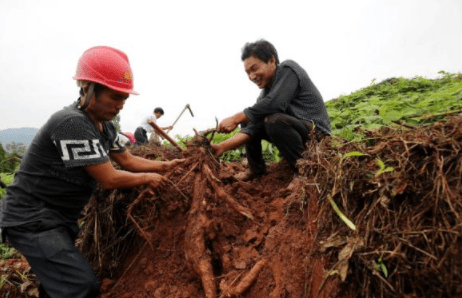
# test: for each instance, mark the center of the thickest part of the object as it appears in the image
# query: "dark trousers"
(141, 136)
(287, 133)
(62, 270)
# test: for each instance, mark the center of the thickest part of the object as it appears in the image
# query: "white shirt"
(144, 124)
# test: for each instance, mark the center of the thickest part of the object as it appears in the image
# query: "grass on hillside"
(414, 101)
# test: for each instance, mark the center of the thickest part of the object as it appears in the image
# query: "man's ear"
(272, 60)
(88, 93)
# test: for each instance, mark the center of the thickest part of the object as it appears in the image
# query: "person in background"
(127, 138)
(287, 110)
(130, 136)
(59, 173)
(146, 127)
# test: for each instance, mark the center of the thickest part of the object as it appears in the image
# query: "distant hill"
(19, 135)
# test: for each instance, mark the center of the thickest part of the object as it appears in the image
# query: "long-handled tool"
(186, 107)
(164, 135)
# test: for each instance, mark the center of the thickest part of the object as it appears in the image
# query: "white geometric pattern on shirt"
(81, 149)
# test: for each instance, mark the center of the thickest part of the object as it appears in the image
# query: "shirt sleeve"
(284, 89)
(78, 143)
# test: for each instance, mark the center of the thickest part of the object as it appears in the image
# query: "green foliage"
(394, 99)
(7, 179)
(9, 162)
(231, 155)
(382, 167)
(269, 150)
(15, 147)
(5, 251)
(380, 266)
(116, 122)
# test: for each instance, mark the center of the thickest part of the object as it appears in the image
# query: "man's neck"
(93, 118)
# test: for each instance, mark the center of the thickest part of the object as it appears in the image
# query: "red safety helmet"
(106, 66)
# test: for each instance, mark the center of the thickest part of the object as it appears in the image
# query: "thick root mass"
(195, 249)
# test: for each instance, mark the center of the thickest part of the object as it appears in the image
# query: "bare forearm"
(240, 118)
(229, 124)
(236, 141)
(138, 164)
(124, 179)
(110, 178)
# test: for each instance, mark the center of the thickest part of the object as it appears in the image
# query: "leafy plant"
(7, 179)
(5, 251)
(382, 168)
(8, 161)
(380, 266)
(393, 100)
(270, 151)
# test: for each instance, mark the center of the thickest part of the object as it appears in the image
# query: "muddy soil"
(280, 237)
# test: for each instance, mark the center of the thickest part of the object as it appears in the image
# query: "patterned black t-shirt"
(52, 185)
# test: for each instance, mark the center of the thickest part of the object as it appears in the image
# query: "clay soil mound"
(207, 234)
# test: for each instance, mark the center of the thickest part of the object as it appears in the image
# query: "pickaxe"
(186, 107)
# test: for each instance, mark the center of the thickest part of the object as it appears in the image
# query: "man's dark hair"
(159, 110)
(261, 49)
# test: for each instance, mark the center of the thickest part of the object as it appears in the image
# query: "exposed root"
(143, 195)
(245, 283)
(224, 196)
(195, 248)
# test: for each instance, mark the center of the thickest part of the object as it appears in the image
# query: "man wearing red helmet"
(69, 155)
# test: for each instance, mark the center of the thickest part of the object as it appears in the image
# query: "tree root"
(195, 248)
(196, 251)
(197, 254)
(223, 195)
(141, 197)
(245, 283)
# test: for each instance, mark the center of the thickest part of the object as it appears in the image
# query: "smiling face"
(260, 72)
(106, 105)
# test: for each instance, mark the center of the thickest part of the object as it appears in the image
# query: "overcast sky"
(188, 52)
